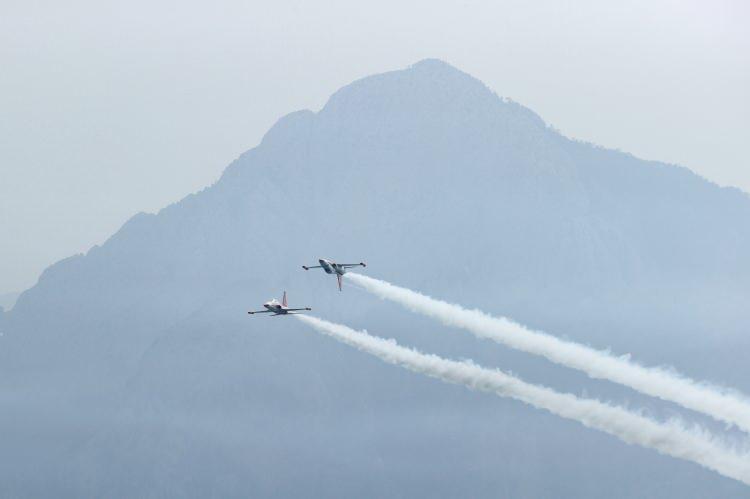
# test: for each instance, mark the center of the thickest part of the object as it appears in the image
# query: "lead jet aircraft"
(276, 308)
(335, 268)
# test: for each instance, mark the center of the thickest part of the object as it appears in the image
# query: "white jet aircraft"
(335, 268)
(277, 308)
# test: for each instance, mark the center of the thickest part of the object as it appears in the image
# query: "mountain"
(7, 300)
(133, 370)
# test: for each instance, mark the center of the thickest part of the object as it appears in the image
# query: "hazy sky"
(107, 109)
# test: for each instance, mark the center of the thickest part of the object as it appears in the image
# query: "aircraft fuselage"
(275, 307)
(331, 267)
(278, 308)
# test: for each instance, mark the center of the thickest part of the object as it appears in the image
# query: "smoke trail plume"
(669, 438)
(720, 404)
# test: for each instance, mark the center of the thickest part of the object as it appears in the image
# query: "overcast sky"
(107, 110)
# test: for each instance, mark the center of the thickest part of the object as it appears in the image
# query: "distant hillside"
(139, 362)
(7, 300)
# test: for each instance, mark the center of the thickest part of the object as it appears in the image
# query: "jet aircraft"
(277, 308)
(334, 268)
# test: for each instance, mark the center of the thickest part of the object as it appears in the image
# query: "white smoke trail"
(668, 438)
(719, 403)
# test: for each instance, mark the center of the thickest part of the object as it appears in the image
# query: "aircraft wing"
(259, 312)
(360, 264)
(295, 309)
(308, 267)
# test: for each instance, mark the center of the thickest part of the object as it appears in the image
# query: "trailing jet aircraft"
(277, 308)
(335, 268)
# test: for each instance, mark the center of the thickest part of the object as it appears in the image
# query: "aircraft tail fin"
(283, 300)
(339, 277)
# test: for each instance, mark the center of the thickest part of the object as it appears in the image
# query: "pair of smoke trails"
(670, 438)
(720, 403)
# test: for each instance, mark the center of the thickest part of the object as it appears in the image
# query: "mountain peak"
(433, 64)
(426, 78)
(431, 91)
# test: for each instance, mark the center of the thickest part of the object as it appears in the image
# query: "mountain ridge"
(440, 185)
